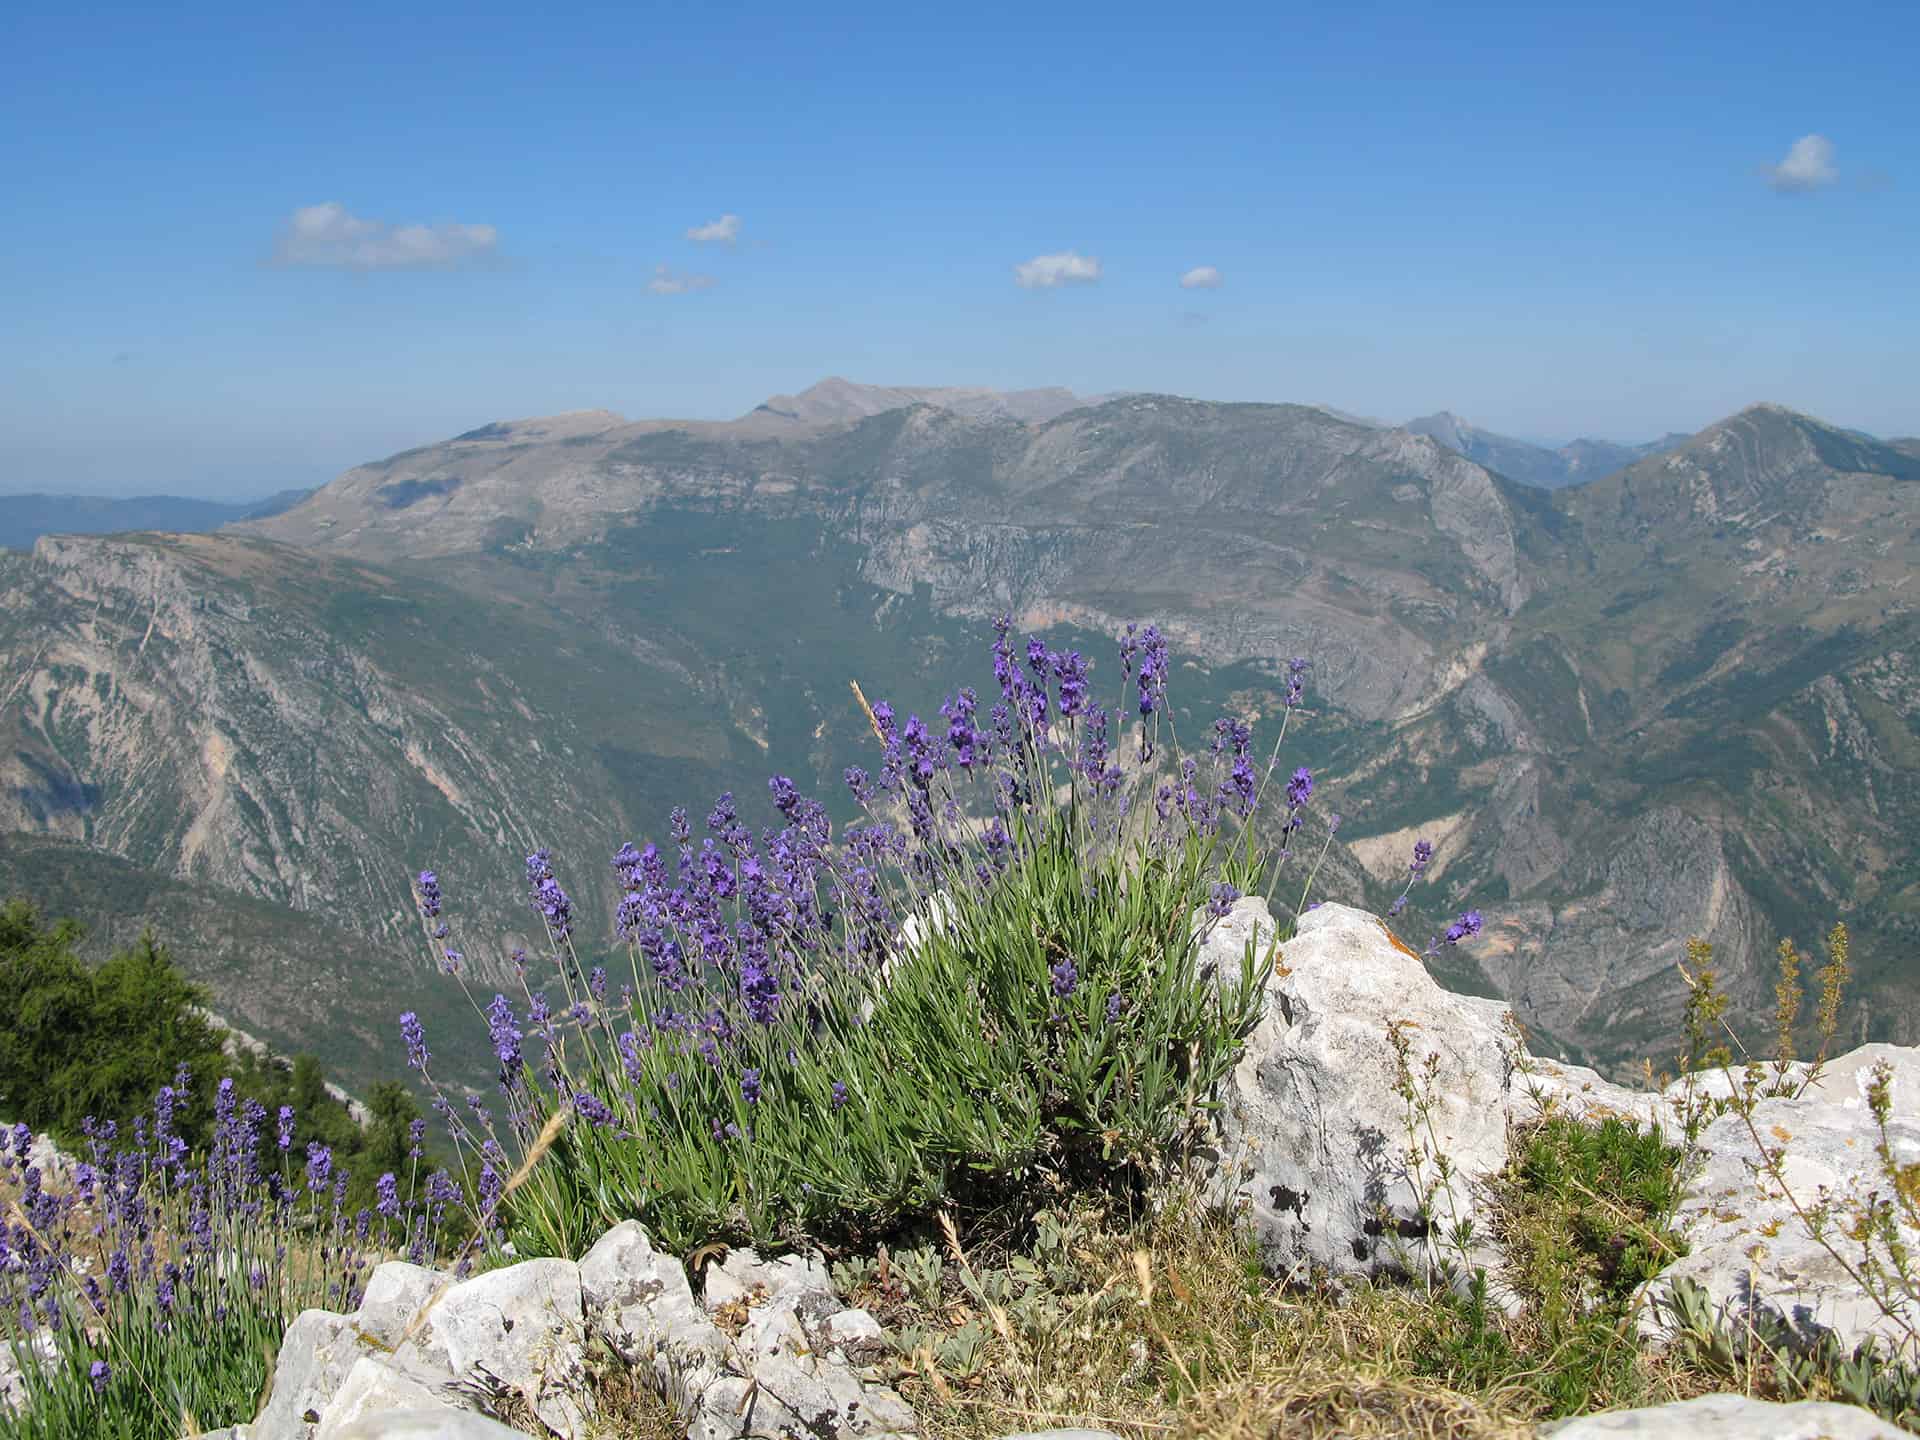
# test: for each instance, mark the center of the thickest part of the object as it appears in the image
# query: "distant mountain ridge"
(1682, 699)
(1531, 464)
(25, 518)
(834, 401)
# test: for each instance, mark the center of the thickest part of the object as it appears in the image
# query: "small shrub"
(157, 1283)
(988, 987)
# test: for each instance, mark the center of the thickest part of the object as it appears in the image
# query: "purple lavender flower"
(962, 734)
(592, 1108)
(506, 1037)
(917, 743)
(1300, 789)
(416, 1138)
(999, 844)
(1066, 977)
(1071, 668)
(1422, 854)
(750, 1086)
(491, 1187)
(1004, 671)
(427, 884)
(101, 1374)
(555, 908)
(1152, 681)
(839, 1094)
(1114, 1006)
(319, 1166)
(415, 1035)
(1464, 928)
(1221, 900)
(386, 1192)
(860, 784)
(759, 989)
(1296, 681)
(784, 794)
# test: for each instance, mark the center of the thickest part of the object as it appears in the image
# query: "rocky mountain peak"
(838, 401)
(564, 426)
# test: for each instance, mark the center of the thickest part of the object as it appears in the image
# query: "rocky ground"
(1333, 1142)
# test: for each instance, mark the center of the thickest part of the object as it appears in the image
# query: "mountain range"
(1531, 464)
(1682, 698)
(25, 518)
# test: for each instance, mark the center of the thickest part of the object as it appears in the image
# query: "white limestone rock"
(394, 1295)
(377, 1387)
(1749, 1247)
(315, 1356)
(1542, 1086)
(13, 1381)
(795, 1367)
(1314, 1133)
(522, 1327)
(641, 1303)
(1729, 1417)
(433, 1424)
(744, 1275)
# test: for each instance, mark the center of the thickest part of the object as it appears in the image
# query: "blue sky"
(1554, 222)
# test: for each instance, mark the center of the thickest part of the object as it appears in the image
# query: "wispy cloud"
(723, 231)
(667, 281)
(330, 236)
(1202, 277)
(1065, 267)
(1808, 165)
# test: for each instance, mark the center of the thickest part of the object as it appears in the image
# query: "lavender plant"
(988, 983)
(148, 1283)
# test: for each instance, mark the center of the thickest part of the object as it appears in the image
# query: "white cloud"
(672, 282)
(1065, 267)
(329, 235)
(1202, 277)
(1808, 166)
(723, 231)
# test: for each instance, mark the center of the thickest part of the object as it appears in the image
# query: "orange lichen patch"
(1398, 943)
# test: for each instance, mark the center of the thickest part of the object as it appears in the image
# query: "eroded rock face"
(768, 1351)
(1730, 1417)
(433, 1424)
(1749, 1247)
(315, 1356)
(1317, 1128)
(1333, 1138)
(14, 1391)
(802, 1362)
(377, 1388)
(522, 1326)
(642, 1303)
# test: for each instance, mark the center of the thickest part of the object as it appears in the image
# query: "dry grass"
(1167, 1330)
(1310, 1406)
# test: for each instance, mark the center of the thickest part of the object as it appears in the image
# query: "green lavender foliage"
(990, 989)
(969, 1081)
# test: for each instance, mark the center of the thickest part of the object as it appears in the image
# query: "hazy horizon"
(187, 489)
